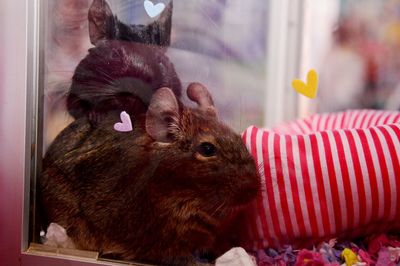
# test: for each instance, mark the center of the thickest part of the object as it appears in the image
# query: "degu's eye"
(206, 149)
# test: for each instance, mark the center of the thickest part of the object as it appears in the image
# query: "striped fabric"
(330, 175)
(344, 120)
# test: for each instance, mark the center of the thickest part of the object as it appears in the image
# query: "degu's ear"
(162, 117)
(101, 22)
(199, 93)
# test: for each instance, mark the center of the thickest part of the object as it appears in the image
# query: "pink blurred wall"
(12, 126)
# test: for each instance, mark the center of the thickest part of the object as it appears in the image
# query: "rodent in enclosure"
(161, 193)
(125, 66)
(166, 191)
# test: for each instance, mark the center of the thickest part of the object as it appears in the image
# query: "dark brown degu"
(162, 193)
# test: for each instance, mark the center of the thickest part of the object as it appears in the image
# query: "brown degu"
(160, 193)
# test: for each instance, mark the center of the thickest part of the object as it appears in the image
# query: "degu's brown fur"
(161, 193)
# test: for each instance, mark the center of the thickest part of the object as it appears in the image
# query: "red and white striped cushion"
(329, 183)
(343, 120)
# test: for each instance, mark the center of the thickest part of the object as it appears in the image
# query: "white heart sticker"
(125, 125)
(152, 9)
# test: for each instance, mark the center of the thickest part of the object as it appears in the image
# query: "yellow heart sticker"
(310, 89)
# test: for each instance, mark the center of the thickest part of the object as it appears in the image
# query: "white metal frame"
(283, 60)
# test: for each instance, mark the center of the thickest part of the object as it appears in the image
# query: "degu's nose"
(247, 188)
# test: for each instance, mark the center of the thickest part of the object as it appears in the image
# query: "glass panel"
(209, 44)
(220, 43)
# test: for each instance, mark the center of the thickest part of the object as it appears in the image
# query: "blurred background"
(248, 53)
(360, 63)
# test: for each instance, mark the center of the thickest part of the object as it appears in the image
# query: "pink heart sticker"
(125, 125)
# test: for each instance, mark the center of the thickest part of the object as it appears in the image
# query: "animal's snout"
(247, 188)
